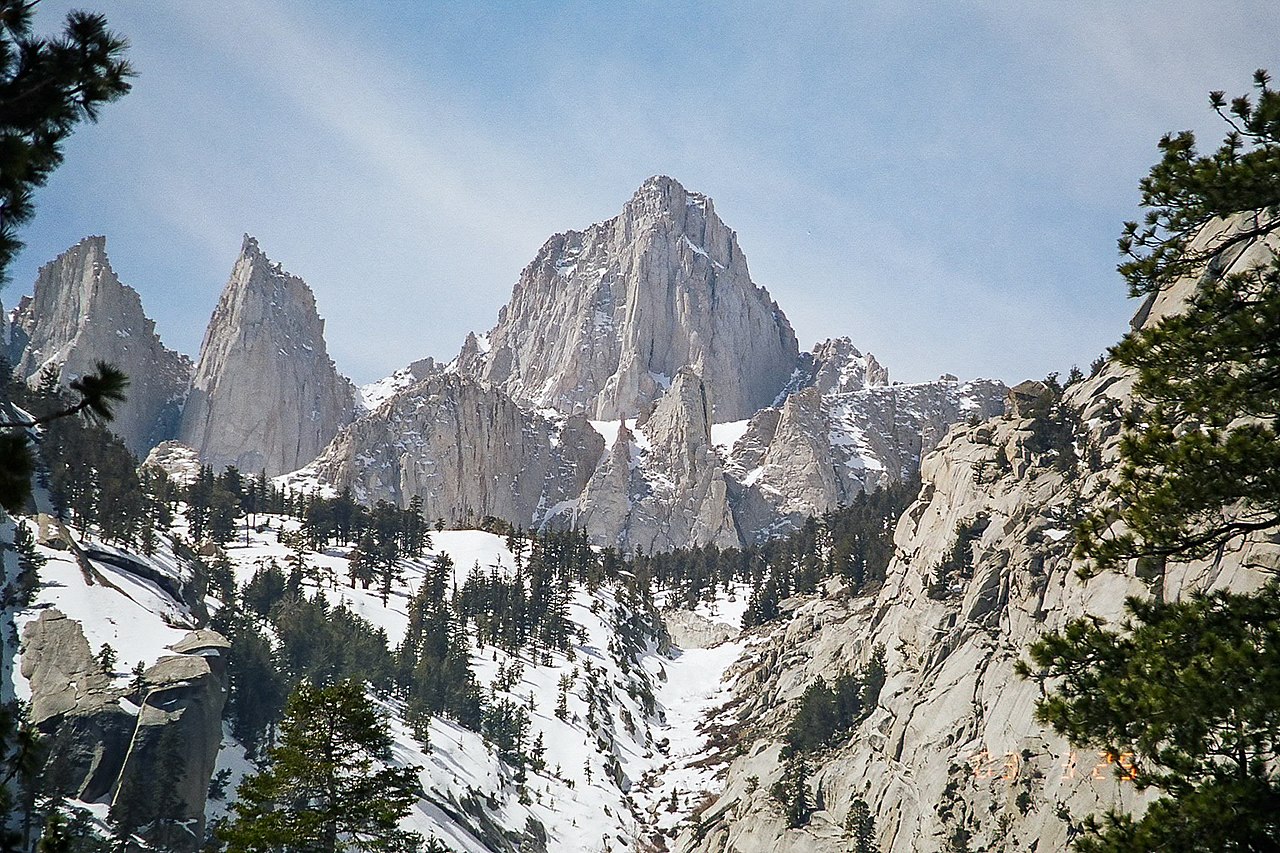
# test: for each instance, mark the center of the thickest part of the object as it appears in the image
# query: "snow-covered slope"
(630, 735)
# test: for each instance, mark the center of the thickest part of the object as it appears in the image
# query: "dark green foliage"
(853, 542)
(531, 606)
(257, 688)
(20, 591)
(860, 825)
(1187, 190)
(264, 590)
(1192, 689)
(505, 724)
(433, 663)
(107, 659)
(1200, 456)
(214, 503)
(324, 644)
(314, 641)
(826, 712)
(47, 87)
(326, 786)
(816, 720)
(791, 791)
(70, 829)
(138, 684)
(958, 564)
(90, 473)
(385, 532)
(16, 468)
(1216, 816)
(22, 754)
(1054, 427)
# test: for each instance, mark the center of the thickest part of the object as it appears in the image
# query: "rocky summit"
(713, 429)
(266, 395)
(640, 400)
(602, 320)
(79, 314)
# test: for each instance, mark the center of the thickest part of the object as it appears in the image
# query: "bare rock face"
(150, 755)
(265, 393)
(836, 366)
(649, 325)
(466, 449)
(663, 486)
(844, 430)
(602, 319)
(181, 464)
(952, 749)
(79, 314)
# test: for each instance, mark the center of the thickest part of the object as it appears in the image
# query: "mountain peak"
(664, 189)
(633, 300)
(80, 313)
(265, 342)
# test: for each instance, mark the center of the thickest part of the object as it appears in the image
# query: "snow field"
(605, 785)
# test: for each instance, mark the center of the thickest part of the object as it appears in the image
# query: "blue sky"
(941, 182)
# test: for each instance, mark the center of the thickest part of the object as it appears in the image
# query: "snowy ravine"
(633, 734)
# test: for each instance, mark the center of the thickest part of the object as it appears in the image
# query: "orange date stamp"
(1102, 764)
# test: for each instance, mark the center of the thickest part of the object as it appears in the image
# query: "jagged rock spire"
(79, 314)
(266, 394)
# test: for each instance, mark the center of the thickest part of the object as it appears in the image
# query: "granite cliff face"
(649, 325)
(265, 393)
(466, 449)
(149, 754)
(953, 749)
(603, 319)
(843, 429)
(662, 486)
(79, 314)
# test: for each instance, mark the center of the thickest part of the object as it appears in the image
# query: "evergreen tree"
(107, 659)
(861, 827)
(1192, 691)
(326, 787)
(1190, 688)
(22, 756)
(792, 791)
(47, 87)
(1200, 458)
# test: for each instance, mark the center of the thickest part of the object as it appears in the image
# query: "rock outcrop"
(265, 393)
(79, 314)
(836, 366)
(662, 486)
(603, 319)
(841, 430)
(181, 464)
(952, 751)
(466, 449)
(149, 755)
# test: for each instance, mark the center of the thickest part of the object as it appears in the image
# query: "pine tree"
(326, 786)
(1200, 459)
(860, 825)
(107, 659)
(1191, 691)
(1191, 688)
(47, 86)
(138, 684)
(792, 791)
